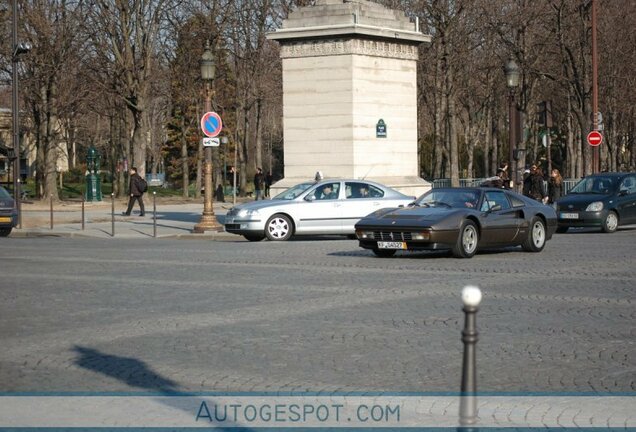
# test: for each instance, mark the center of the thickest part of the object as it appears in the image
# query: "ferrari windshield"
(451, 198)
(293, 192)
(595, 185)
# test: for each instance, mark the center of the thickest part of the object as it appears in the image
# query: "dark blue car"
(605, 200)
(8, 213)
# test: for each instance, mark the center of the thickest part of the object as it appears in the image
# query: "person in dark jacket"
(555, 186)
(269, 179)
(136, 192)
(220, 193)
(259, 182)
(502, 173)
(537, 188)
(527, 181)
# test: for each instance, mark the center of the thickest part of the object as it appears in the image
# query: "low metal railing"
(440, 183)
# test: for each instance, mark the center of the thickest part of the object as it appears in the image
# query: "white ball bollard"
(471, 299)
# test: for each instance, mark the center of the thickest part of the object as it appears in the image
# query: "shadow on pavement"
(133, 372)
(136, 373)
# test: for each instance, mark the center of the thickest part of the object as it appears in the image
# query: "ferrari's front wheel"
(4, 232)
(536, 236)
(467, 240)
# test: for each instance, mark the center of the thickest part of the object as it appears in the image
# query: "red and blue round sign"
(211, 124)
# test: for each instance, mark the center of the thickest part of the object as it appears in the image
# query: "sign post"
(211, 126)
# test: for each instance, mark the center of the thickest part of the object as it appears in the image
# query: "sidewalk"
(175, 219)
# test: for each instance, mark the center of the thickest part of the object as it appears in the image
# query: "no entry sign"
(211, 124)
(594, 138)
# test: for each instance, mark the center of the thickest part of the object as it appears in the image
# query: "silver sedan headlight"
(247, 212)
(595, 206)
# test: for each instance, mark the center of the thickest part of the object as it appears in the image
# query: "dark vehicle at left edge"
(8, 213)
(462, 220)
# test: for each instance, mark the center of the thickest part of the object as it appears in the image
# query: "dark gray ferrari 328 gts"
(462, 220)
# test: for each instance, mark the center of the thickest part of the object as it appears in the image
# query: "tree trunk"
(185, 177)
(50, 142)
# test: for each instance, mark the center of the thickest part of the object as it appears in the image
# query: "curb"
(215, 236)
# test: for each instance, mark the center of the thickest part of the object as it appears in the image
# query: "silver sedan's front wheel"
(279, 228)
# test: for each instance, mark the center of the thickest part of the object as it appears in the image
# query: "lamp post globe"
(512, 74)
(208, 66)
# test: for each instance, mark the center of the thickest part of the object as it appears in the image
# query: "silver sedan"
(331, 206)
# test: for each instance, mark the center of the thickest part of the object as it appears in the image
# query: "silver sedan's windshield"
(293, 192)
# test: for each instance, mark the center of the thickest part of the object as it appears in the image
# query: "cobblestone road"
(316, 315)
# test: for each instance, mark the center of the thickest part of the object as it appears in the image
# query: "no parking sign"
(211, 124)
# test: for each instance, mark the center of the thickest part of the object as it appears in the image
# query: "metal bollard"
(51, 204)
(154, 214)
(18, 202)
(112, 199)
(83, 214)
(471, 297)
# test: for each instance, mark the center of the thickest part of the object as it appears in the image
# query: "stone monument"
(350, 94)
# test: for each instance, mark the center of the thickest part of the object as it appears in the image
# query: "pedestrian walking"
(259, 181)
(502, 173)
(220, 193)
(555, 186)
(136, 189)
(527, 180)
(268, 182)
(537, 185)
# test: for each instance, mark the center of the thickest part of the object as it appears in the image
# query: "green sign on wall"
(380, 129)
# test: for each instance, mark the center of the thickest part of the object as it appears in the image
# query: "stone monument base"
(408, 185)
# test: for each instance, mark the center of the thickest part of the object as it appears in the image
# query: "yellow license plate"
(391, 245)
(5, 219)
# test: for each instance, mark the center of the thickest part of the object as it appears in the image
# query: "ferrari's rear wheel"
(4, 232)
(610, 223)
(467, 241)
(279, 228)
(536, 236)
(384, 253)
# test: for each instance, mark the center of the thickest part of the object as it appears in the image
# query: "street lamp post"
(208, 219)
(18, 49)
(512, 82)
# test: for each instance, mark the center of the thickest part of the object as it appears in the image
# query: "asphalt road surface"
(312, 315)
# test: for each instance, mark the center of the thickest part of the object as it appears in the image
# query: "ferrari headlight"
(595, 206)
(364, 235)
(422, 235)
(247, 212)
